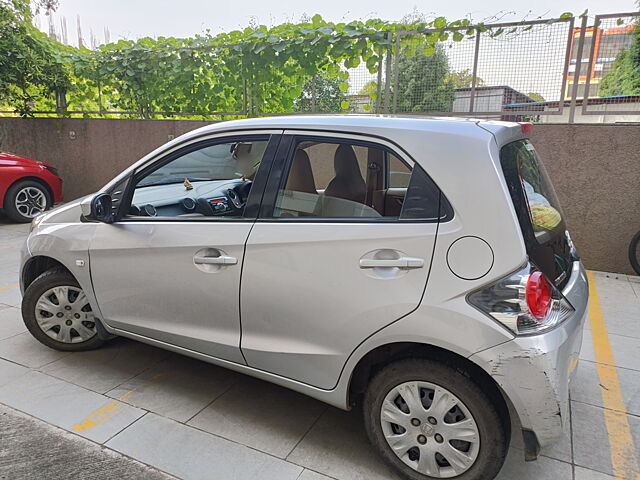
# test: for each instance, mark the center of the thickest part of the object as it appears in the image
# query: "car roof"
(364, 123)
(409, 131)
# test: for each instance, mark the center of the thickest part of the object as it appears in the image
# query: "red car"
(27, 187)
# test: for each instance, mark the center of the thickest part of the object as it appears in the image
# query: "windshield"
(216, 162)
(147, 182)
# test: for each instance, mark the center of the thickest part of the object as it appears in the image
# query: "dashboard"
(204, 198)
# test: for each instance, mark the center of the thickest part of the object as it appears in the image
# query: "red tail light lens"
(538, 295)
(524, 301)
(526, 127)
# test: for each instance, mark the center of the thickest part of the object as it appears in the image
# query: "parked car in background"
(27, 187)
(420, 267)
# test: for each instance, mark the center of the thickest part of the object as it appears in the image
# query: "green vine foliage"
(252, 71)
(32, 67)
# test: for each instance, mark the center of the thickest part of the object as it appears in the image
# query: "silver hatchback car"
(419, 267)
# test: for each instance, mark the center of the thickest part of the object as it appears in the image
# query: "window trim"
(252, 207)
(282, 164)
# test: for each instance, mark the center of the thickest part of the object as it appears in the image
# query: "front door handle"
(404, 263)
(220, 260)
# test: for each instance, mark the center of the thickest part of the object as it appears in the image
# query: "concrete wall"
(596, 173)
(595, 169)
(88, 152)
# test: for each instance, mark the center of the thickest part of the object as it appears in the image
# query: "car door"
(169, 267)
(332, 259)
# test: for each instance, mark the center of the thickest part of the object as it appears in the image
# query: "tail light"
(525, 302)
(538, 295)
(526, 127)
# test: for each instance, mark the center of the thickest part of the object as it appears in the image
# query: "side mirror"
(98, 208)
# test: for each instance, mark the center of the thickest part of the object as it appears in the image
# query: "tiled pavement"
(194, 420)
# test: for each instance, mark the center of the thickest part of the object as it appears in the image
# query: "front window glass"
(210, 180)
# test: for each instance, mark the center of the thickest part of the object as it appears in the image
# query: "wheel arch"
(33, 179)
(381, 356)
(36, 266)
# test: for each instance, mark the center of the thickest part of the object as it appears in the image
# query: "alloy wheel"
(30, 202)
(430, 429)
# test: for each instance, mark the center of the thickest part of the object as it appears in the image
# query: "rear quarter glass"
(538, 210)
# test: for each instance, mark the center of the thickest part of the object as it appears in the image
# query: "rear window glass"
(543, 206)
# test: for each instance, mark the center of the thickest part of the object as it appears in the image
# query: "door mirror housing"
(98, 207)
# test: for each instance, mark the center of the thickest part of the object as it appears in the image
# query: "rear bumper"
(535, 371)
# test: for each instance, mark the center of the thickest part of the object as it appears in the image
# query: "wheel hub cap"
(64, 314)
(30, 202)
(430, 429)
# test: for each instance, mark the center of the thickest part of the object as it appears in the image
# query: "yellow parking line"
(7, 287)
(623, 458)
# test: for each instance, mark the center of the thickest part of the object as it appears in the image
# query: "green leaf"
(316, 19)
(428, 50)
(619, 21)
(344, 105)
(344, 86)
(584, 14)
(566, 15)
(440, 22)
(367, 108)
(457, 36)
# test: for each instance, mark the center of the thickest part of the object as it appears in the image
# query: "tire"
(36, 196)
(39, 311)
(484, 453)
(634, 253)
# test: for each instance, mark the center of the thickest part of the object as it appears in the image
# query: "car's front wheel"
(57, 312)
(430, 420)
(25, 200)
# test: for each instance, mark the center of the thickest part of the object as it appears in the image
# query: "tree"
(536, 97)
(423, 82)
(370, 89)
(624, 76)
(327, 92)
(31, 65)
(464, 79)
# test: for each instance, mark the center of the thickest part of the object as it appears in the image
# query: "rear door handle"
(220, 260)
(404, 263)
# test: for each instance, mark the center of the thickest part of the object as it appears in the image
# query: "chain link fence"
(556, 70)
(503, 71)
(604, 88)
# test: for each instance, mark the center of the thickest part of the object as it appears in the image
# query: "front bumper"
(535, 371)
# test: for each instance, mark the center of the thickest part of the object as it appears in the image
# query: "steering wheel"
(238, 195)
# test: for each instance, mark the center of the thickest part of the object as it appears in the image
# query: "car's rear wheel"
(25, 200)
(57, 312)
(430, 420)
